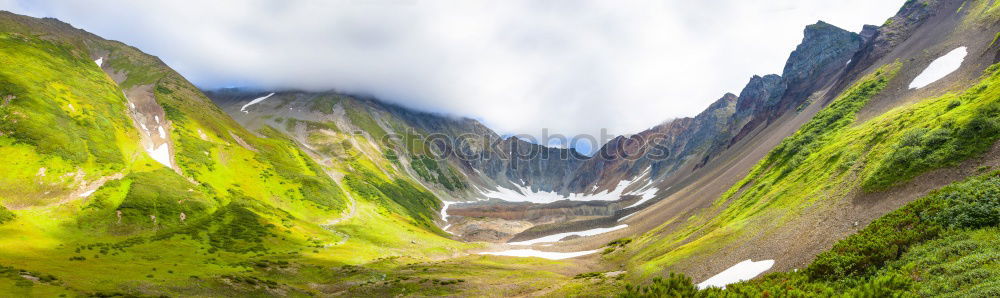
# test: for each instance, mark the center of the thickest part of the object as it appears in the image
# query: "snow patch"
(444, 210)
(743, 271)
(87, 193)
(163, 134)
(540, 254)
(940, 67)
(521, 193)
(646, 194)
(99, 61)
(627, 216)
(161, 154)
(444, 215)
(557, 237)
(255, 101)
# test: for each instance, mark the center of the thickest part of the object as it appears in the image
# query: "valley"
(869, 166)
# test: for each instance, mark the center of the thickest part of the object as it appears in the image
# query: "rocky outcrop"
(757, 102)
(758, 96)
(879, 41)
(825, 50)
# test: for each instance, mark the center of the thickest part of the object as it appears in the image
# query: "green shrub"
(974, 205)
(430, 170)
(946, 143)
(675, 285)
(399, 195)
(239, 230)
(55, 100)
(291, 164)
(945, 243)
(324, 104)
(161, 193)
(840, 113)
(5, 215)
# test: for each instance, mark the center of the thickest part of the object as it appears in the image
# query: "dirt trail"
(353, 210)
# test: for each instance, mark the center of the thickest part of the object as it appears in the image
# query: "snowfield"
(646, 194)
(255, 101)
(522, 193)
(444, 215)
(557, 237)
(940, 67)
(743, 271)
(540, 254)
(627, 216)
(161, 154)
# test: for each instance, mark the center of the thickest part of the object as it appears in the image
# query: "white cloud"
(520, 66)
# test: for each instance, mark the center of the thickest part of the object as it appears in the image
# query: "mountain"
(118, 177)
(869, 151)
(488, 166)
(117, 168)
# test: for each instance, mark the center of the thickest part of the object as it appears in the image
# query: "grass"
(832, 155)
(440, 173)
(359, 117)
(65, 116)
(325, 104)
(946, 243)
(958, 134)
(262, 217)
(246, 198)
(769, 184)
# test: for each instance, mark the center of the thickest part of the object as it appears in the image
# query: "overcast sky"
(570, 66)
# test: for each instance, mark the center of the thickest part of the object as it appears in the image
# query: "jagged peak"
(726, 100)
(819, 25)
(760, 91)
(823, 46)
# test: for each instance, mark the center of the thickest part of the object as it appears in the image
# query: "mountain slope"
(122, 178)
(111, 158)
(874, 148)
(641, 167)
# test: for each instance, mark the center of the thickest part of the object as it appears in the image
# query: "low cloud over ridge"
(573, 67)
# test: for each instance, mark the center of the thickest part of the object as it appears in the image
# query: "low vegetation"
(430, 170)
(946, 243)
(833, 154)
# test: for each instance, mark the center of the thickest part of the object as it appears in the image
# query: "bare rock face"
(757, 103)
(880, 40)
(760, 95)
(824, 50)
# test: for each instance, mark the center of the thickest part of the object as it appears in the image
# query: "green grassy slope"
(944, 244)
(86, 211)
(768, 187)
(831, 155)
